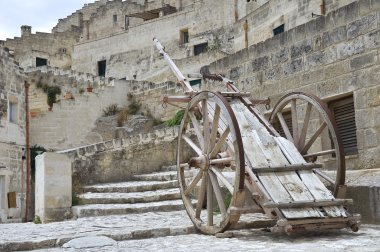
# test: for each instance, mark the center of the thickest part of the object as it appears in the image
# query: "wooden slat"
(312, 182)
(262, 150)
(287, 168)
(302, 204)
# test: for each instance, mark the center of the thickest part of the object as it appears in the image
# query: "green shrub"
(134, 107)
(176, 119)
(111, 110)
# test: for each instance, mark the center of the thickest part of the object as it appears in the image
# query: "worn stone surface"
(89, 242)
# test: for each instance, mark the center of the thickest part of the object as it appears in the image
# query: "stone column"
(53, 187)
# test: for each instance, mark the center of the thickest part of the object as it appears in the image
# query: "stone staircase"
(146, 193)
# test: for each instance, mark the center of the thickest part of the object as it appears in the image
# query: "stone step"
(116, 209)
(162, 176)
(169, 168)
(135, 197)
(132, 186)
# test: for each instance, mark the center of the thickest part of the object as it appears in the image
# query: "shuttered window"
(344, 113)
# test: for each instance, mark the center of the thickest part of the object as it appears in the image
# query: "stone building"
(12, 139)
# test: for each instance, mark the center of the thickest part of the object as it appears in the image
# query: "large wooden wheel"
(306, 121)
(210, 163)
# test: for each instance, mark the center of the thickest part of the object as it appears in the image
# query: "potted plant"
(89, 88)
(68, 95)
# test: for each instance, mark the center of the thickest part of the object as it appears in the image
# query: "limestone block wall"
(55, 47)
(118, 160)
(53, 192)
(12, 136)
(331, 56)
(134, 48)
(71, 121)
(64, 24)
(265, 15)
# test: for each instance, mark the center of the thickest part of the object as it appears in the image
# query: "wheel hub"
(201, 162)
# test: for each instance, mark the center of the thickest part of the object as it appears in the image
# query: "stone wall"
(12, 136)
(131, 52)
(265, 15)
(56, 48)
(119, 159)
(331, 56)
(70, 122)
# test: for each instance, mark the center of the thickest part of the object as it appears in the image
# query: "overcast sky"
(42, 15)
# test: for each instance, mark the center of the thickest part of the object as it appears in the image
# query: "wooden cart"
(232, 161)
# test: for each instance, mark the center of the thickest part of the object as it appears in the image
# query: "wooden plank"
(262, 150)
(312, 182)
(301, 204)
(287, 168)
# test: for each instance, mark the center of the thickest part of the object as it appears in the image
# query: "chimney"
(26, 30)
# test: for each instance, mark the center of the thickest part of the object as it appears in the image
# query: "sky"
(42, 15)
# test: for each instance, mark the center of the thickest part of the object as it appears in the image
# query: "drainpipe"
(322, 7)
(27, 149)
(236, 10)
(245, 26)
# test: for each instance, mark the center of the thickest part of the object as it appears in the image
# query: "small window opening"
(114, 18)
(344, 113)
(201, 48)
(278, 30)
(126, 22)
(41, 62)
(13, 112)
(102, 65)
(184, 36)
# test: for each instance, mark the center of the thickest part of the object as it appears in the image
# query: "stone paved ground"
(367, 239)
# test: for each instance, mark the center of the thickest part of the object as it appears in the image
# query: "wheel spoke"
(210, 211)
(301, 141)
(206, 126)
(193, 183)
(324, 176)
(197, 129)
(294, 120)
(201, 197)
(192, 145)
(223, 179)
(220, 143)
(313, 138)
(214, 129)
(285, 127)
(218, 193)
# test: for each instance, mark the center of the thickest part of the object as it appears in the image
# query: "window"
(41, 62)
(184, 36)
(126, 22)
(114, 18)
(344, 113)
(13, 112)
(201, 48)
(278, 30)
(102, 65)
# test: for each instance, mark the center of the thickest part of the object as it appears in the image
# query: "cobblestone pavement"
(367, 239)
